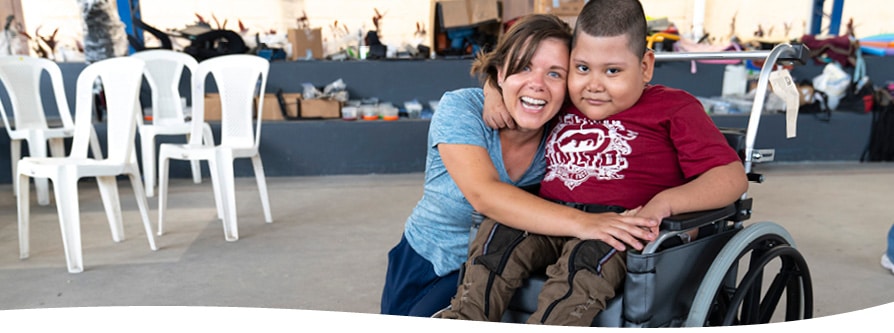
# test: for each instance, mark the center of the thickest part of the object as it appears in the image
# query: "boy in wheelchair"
(624, 146)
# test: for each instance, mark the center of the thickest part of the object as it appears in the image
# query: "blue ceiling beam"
(128, 10)
(817, 16)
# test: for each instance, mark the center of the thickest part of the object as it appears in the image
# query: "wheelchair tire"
(793, 278)
(721, 294)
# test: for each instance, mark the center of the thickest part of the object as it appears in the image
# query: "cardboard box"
(481, 15)
(559, 7)
(306, 43)
(459, 13)
(291, 101)
(513, 9)
(319, 108)
(212, 107)
(270, 110)
(298, 108)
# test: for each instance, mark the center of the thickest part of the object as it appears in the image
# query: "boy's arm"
(473, 171)
(495, 114)
(715, 188)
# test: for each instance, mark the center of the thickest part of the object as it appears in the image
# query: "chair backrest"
(164, 69)
(241, 81)
(21, 76)
(121, 78)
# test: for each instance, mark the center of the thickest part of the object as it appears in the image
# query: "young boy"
(623, 145)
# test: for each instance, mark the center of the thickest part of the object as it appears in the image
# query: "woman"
(529, 65)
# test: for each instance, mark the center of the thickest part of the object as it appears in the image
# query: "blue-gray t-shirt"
(438, 228)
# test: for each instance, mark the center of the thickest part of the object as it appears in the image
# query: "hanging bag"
(881, 134)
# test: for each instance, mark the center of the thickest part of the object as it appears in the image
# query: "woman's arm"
(474, 173)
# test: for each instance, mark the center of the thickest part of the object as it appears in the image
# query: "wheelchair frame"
(713, 292)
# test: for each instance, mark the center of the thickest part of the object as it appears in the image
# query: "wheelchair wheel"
(727, 298)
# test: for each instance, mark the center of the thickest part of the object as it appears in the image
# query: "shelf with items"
(462, 28)
(565, 9)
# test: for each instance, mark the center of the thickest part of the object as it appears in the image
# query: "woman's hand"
(619, 230)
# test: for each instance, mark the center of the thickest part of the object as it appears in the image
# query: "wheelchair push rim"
(723, 299)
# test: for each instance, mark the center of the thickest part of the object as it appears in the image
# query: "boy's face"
(534, 95)
(606, 78)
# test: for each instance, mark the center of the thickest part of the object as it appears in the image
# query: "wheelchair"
(718, 278)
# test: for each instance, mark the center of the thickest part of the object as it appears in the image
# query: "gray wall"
(325, 147)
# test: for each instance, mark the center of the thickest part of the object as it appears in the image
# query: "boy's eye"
(612, 71)
(582, 68)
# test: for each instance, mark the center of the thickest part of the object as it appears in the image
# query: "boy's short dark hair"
(609, 18)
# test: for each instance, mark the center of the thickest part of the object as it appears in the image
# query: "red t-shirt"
(662, 141)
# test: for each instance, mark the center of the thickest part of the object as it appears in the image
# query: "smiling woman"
(473, 170)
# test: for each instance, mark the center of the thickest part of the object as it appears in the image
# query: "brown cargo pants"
(582, 276)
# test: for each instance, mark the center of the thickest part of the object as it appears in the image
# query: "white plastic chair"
(241, 80)
(21, 76)
(121, 78)
(169, 115)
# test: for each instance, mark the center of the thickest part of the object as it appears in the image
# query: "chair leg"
(37, 147)
(208, 139)
(94, 144)
(227, 192)
(147, 150)
(143, 205)
(23, 201)
(207, 135)
(57, 147)
(15, 154)
(162, 190)
(108, 189)
(196, 167)
(215, 186)
(262, 186)
(66, 191)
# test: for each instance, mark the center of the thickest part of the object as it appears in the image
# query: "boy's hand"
(495, 114)
(497, 117)
(655, 209)
(631, 212)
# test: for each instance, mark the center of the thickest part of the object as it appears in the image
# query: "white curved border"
(231, 319)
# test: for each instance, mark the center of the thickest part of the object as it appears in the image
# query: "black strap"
(592, 208)
(283, 106)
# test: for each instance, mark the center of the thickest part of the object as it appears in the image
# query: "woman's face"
(535, 94)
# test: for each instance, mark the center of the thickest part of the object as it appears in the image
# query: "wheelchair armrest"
(691, 220)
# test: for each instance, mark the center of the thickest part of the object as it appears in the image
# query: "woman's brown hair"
(517, 46)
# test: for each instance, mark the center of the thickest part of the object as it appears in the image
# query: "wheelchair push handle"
(795, 52)
(784, 53)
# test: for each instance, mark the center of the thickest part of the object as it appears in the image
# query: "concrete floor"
(326, 249)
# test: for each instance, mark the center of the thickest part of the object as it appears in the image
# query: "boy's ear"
(648, 65)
